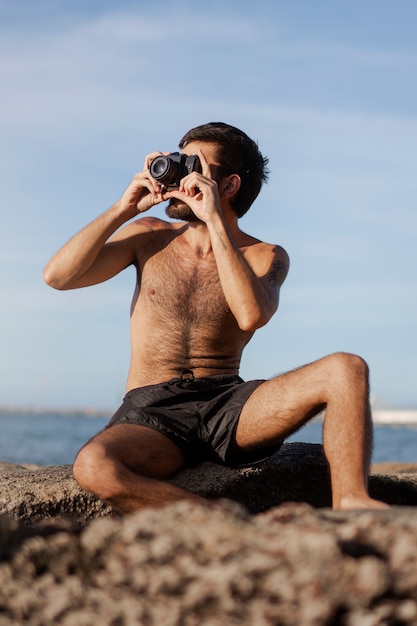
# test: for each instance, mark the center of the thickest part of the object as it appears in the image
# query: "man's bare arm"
(89, 257)
(86, 259)
(251, 286)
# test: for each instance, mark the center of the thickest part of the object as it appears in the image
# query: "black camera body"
(169, 170)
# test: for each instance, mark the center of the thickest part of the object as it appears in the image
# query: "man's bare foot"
(360, 504)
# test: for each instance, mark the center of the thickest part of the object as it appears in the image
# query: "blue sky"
(327, 88)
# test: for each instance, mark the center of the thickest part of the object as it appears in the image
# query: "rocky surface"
(188, 565)
(298, 472)
(66, 559)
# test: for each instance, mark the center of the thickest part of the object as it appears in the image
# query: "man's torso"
(179, 315)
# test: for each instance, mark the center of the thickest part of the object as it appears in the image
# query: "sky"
(327, 89)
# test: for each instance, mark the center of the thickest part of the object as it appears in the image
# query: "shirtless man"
(203, 288)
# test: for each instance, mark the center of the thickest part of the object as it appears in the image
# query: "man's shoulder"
(265, 257)
(153, 224)
(259, 247)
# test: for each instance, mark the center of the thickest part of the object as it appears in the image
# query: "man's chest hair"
(184, 287)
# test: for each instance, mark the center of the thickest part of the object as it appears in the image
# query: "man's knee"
(349, 367)
(91, 470)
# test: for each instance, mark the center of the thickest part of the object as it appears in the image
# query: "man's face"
(178, 209)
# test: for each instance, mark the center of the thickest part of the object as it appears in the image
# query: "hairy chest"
(183, 287)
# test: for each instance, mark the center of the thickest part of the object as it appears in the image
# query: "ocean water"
(392, 442)
(46, 439)
(54, 439)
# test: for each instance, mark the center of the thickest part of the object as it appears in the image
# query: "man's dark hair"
(237, 154)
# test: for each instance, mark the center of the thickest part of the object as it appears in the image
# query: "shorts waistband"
(188, 380)
(186, 376)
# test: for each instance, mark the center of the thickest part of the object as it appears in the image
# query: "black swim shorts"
(199, 415)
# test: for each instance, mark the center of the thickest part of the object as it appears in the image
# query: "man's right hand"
(144, 191)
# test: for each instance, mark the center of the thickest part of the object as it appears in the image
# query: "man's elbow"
(52, 279)
(256, 318)
(251, 323)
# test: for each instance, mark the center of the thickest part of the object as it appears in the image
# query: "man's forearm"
(245, 294)
(69, 264)
(85, 259)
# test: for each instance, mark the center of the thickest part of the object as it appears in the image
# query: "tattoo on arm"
(222, 241)
(277, 273)
(148, 221)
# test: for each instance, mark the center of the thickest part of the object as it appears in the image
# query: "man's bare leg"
(126, 466)
(337, 383)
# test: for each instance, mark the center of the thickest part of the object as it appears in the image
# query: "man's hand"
(199, 191)
(144, 191)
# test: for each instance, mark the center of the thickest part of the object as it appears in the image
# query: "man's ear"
(230, 185)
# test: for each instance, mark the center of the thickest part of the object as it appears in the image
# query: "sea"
(54, 437)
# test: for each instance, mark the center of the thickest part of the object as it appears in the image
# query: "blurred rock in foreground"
(187, 565)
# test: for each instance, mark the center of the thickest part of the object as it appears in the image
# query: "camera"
(169, 170)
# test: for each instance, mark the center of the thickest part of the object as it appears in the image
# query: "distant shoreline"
(392, 416)
(383, 416)
(58, 412)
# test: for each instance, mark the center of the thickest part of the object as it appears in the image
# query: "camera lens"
(164, 169)
(159, 167)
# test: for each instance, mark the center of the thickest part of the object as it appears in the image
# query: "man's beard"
(179, 210)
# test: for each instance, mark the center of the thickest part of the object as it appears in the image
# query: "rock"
(394, 468)
(189, 565)
(298, 472)
(14, 467)
(67, 559)
(34, 495)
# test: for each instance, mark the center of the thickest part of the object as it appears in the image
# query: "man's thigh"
(280, 406)
(141, 449)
